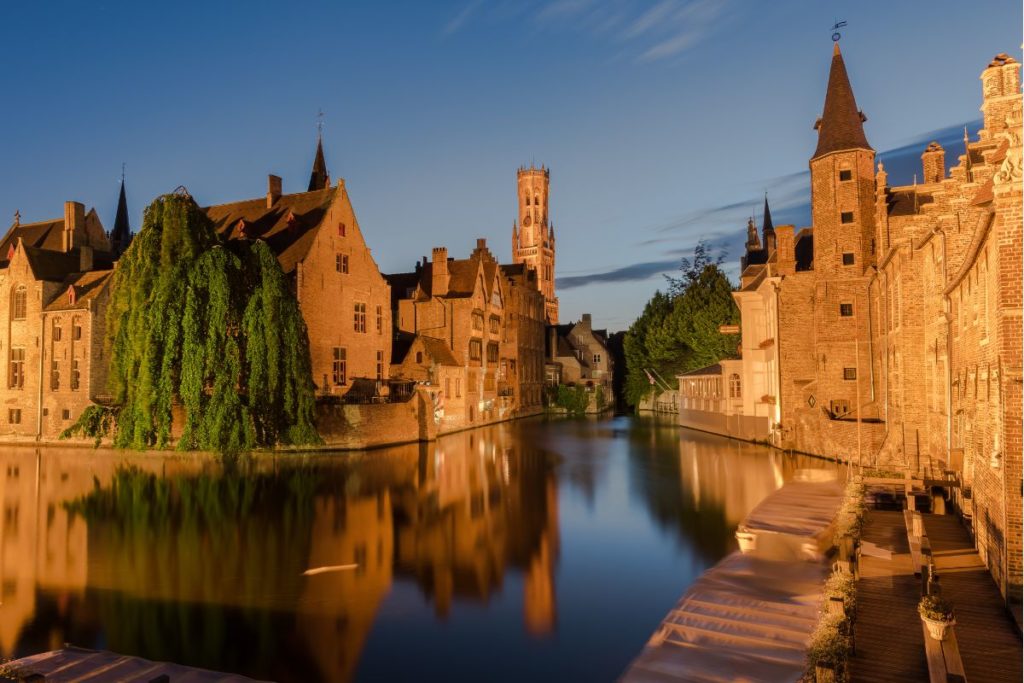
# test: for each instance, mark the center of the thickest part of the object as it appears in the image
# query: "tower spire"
(767, 228)
(121, 234)
(319, 178)
(841, 124)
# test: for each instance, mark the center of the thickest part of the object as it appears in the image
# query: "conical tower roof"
(767, 228)
(319, 178)
(841, 125)
(121, 235)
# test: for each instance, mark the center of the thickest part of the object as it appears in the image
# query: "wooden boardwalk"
(889, 640)
(79, 665)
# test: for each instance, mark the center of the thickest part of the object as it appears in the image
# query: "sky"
(663, 121)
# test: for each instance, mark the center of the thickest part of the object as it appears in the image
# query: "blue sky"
(663, 121)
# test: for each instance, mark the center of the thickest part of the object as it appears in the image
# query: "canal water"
(541, 550)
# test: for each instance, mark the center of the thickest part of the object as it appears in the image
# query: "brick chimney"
(785, 251)
(439, 272)
(74, 225)
(933, 162)
(585, 320)
(273, 189)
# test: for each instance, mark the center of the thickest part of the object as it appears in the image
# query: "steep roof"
(766, 225)
(841, 124)
(288, 226)
(121, 234)
(42, 235)
(87, 286)
(438, 351)
(318, 177)
(52, 266)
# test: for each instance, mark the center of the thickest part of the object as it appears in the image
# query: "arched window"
(19, 303)
(734, 385)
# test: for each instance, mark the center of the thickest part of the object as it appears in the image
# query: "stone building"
(53, 299)
(578, 354)
(533, 235)
(890, 331)
(524, 335)
(319, 244)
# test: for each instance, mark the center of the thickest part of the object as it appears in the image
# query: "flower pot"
(938, 628)
(747, 541)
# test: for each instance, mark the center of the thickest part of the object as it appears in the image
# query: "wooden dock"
(79, 665)
(889, 639)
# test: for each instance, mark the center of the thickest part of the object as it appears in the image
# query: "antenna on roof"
(835, 30)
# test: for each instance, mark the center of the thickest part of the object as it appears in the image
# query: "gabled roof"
(438, 351)
(907, 202)
(288, 226)
(52, 266)
(715, 369)
(87, 286)
(841, 125)
(42, 235)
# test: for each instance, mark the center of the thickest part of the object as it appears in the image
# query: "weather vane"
(835, 30)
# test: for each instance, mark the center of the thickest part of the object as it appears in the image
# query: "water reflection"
(505, 542)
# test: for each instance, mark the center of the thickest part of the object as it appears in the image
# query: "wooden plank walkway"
(79, 665)
(890, 645)
(990, 644)
(889, 638)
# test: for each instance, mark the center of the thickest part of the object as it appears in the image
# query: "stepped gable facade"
(345, 301)
(54, 292)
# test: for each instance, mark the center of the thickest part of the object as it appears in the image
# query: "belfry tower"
(533, 237)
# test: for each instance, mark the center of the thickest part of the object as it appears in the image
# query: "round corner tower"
(533, 237)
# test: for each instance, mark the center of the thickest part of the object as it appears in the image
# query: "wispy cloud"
(640, 31)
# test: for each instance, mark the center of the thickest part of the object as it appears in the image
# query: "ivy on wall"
(211, 326)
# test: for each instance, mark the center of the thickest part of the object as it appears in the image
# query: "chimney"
(585, 320)
(439, 273)
(74, 225)
(273, 189)
(85, 259)
(552, 342)
(933, 161)
(785, 250)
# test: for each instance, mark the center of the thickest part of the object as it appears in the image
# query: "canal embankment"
(752, 616)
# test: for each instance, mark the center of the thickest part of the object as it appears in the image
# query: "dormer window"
(72, 295)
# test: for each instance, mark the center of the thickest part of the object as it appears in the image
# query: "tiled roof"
(288, 226)
(438, 351)
(52, 266)
(715, 369)
(841, 124)
(87, 286)
(42, 235)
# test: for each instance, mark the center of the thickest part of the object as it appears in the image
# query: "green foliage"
(600, 399)
(842, 585)
(850, 520)
(94, 422)
(678, 330)
(830, 646)
(574, 399)
(184, 327)
(936, 608)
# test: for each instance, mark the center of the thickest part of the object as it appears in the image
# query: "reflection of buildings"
(191, 566)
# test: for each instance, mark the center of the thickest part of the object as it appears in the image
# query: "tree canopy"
(678, 329)
(211, 326)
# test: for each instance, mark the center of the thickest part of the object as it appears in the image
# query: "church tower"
(533, 237)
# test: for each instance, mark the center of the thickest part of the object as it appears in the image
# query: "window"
(74, 374)
(845, 174)
(19, 303)
(849, 373)
(341, 263)
(57, 330)
(846, 310)
(734, 385)
(478, 321)
(475, 348)
(14, 416)
(846, 217)
(76, 329)
(839, 408)
(848, 259)
(458, 387)
(380, 365)
(419, 357)
(492, 352)
(341, 229)
(17, 377)
(447, 386)
(597, 358)
(380, 320)
(495, 324)
(360, 318)
(65, 414)
(54, 375)
(339, 368)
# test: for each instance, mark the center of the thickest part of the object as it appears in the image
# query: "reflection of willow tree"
(192, 569)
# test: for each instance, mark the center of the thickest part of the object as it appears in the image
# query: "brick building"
(889, 332)
(319, 244)
(578, 354)
(533, 236)
(53, 299)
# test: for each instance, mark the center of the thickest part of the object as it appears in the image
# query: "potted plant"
(937, 614)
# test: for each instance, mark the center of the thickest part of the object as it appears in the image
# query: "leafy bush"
(95, 422)
(936, 608)
(830, 646)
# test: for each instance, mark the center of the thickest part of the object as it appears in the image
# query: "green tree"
(678, 330)
(210, 326)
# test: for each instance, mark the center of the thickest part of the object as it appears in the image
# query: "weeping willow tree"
(209, 326)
